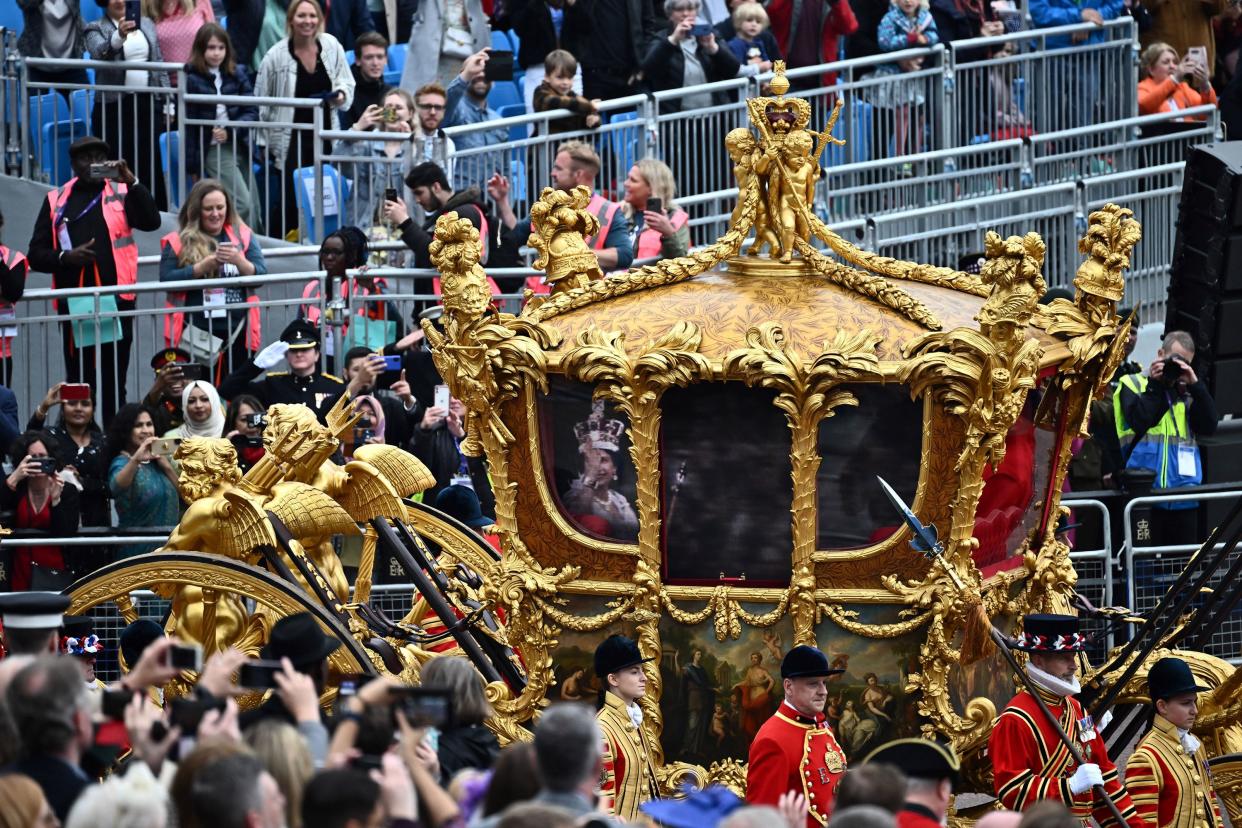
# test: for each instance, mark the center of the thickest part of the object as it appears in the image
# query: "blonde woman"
(381, 165)
(663, 233)
(283, 751)
(1170, 84)
(309, 64)
(213, 243)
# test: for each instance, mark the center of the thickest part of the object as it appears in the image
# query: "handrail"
(978, 43)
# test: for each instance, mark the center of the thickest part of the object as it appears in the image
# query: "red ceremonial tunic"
(913, 815)
(1030, 764)
(1171, 788)
(794, 753)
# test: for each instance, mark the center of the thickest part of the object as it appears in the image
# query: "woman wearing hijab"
(204, 413)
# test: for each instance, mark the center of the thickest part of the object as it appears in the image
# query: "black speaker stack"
(1205, 284)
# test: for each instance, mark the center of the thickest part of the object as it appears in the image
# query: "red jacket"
(794, 753)
(838, 22)
(913, 815)
(1030, 764)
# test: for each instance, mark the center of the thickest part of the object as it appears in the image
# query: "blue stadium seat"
(396, 57)
(91, 12)
(170, 154)
(504, 93)
(500, 42)
(349, 57)
(11, 17)
(625, 141)
(46, 109)
(80, 103)
(54, 153)
(303, 183)
(518, 131)
(514, 42)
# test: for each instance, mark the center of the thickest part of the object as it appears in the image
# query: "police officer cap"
(806, 662)
(300, 334)
(615, 654)
(169, 356)
(1171, 677)
(918, 758)
(33, 610)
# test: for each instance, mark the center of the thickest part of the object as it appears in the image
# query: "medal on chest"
(1086, 735)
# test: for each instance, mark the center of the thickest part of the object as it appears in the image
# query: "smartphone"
(257, 420)
(350, 683)
(114, 702)
(499, 66)
(442, 397)
(390, 194)
(1199, 53)
(700, 30)
(392, 363)
(424, 707)
(389, 115)
(133, 10)
(361, 435)
(655, 205)
(194, 372)
(259, 675)
(107, 170)
(47, 465)
(185, 656)
(187, 713)
(165, 446)
(75, 391)
(242, 441)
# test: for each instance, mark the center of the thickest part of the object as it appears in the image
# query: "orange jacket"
(1170, 95)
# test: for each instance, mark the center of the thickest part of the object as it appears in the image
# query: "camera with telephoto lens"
(256, 420)
(1172, 371)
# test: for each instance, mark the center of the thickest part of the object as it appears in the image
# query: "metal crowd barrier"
(1094, 568)
(1152, 569)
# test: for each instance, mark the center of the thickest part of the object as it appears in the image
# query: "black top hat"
(170, 356)
(806, 662)
(300, 334)
(615, 654)
(33, 610)
(299, 639)
(462, 503)
(136, 637)
(1051, 634)
(89, 142)
(1171, 677)
(919, 758)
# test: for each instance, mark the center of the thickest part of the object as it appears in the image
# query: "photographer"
(1158, 417)
(40, 500)
(244, 423)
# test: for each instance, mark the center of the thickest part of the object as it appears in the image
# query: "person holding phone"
(144, 486)
(131, 120)
(213, 243)
(689, 56)
(82, 446)
(1169, 84)
(39, 499)
(243, 424)
(381, 164)
(467, 104)
(661, 228)
(84, 237)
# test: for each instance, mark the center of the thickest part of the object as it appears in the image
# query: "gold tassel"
(977, 643)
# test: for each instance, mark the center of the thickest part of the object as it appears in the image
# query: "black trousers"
(104, 367)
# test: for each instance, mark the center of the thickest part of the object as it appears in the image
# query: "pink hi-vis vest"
(604, 210)
(11, 258)
(174, 323)
(649, 240)
(120, 236)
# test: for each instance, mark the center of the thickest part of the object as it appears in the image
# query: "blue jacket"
(895, 29)
(347, 19)
(1049, 13)
(10, 430)
(473, 169)
(197, 137)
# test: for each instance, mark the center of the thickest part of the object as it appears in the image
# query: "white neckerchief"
(1051, 683)
(636, 713)
(1189, 742)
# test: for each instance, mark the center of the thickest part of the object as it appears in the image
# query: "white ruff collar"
(636, 713)
(1051, 683)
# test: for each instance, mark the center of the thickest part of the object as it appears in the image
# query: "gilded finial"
(1111, 235)
(779, 84)
(559, 223)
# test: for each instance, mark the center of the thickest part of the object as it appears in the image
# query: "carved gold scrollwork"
(807, 392)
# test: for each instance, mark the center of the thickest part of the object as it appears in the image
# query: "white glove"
(1085, 778)
(271, 356)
